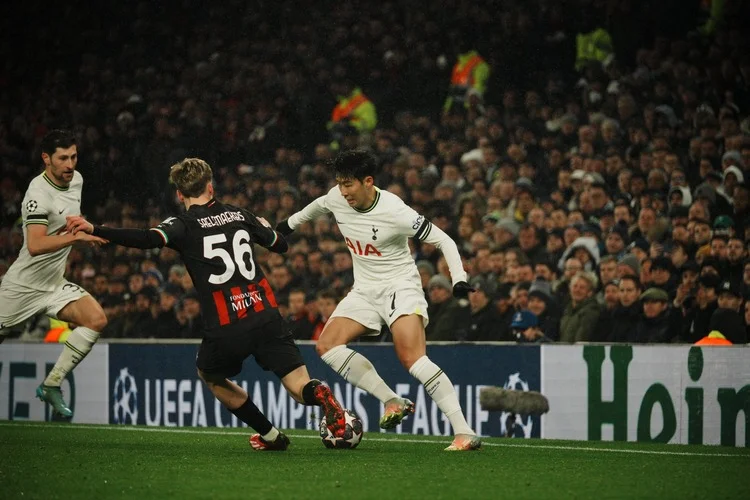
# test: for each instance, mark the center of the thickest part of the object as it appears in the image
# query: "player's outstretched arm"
(134, 238)
(312, 211)
(270, 239)
(38, 242)
(436, 236)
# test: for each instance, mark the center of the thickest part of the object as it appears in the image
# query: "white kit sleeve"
(312, 211)
(419, 227)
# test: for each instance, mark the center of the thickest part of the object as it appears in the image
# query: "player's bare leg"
(355, 368)
(313, 392)
(89, 316)
(410, 345)
(236, 400)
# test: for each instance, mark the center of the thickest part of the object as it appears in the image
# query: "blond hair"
(190, 176)
(588, 276)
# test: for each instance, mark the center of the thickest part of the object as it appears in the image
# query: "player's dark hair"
(57, 139)
(190, 176)
(354, 164)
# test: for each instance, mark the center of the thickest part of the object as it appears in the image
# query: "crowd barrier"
(670, 394)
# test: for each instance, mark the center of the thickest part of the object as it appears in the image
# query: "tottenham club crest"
(374, 233)
(125, 399)
(31, 205)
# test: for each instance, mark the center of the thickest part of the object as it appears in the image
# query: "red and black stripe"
(223, 300)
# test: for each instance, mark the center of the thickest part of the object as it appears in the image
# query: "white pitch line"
(377, 440)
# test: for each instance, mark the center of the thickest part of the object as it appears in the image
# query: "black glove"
(461, 290)
(283, 228)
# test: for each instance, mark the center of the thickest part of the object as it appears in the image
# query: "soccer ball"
(352, 433)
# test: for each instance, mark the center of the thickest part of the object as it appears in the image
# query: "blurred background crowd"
(587, 156)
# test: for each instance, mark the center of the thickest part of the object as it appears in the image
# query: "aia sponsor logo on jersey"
(358, 248)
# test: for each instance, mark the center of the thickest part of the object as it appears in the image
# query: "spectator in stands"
(448, 318)
(607, 269)
(300, 321)
(100, 288)
(653, 326)
(582, 313)
(281, 281)
(519, 295)
(136, 283)
(525, 327)
(735, 259)
(353, 115)
(484, 320)
(626, 314)
(468, 79)
(176, 274)
(609, 301)
(143, 318)
(571, 267)
(326, 301)
(530, 243)
(663, 275)
(189, 316)
(426, 271)
(698, 317)
(505, 311)
(544, 307)
(727, 318)
(114, 308)
(167, 324)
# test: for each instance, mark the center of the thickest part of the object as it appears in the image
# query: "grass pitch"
(42, 460)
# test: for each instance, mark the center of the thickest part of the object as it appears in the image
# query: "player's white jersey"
(377, 237)
(47, 204)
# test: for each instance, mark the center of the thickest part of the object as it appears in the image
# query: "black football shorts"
(271, 344)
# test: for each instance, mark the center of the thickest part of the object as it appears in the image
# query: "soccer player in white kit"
(387, 289)
(34, 283)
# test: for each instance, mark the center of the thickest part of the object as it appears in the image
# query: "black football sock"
(252, 416)
(308, 392)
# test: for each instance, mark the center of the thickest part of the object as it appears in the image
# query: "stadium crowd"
(593, 198)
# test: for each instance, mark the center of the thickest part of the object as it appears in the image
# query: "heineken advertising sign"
(666, 394)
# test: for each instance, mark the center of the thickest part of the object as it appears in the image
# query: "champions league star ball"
(352, 434)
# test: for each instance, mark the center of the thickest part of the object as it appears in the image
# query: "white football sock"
(439, 387)
(271, 436)
(358, 371)
(77, 346)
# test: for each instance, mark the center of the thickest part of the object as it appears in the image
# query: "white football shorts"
(17, 304)
(373, 307)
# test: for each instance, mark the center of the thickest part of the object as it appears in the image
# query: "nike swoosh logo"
(393, 305)
(339, 222)
(61, 211)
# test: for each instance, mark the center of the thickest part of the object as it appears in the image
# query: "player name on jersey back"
(220, 219)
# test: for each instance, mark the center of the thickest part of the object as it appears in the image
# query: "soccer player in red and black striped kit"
(239, 309)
